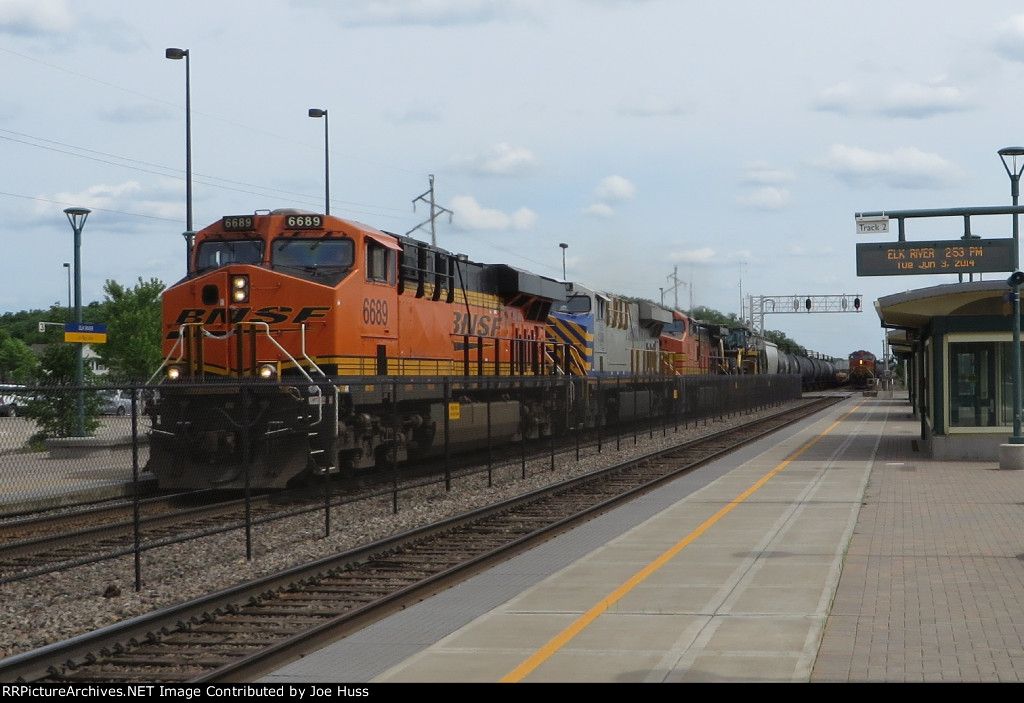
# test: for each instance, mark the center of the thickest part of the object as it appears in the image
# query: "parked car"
(11, 405)
(116, 403)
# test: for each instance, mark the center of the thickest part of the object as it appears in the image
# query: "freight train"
(696, 347)
(863, 369)
(301, 344)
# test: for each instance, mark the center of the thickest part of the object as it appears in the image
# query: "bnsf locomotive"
(301, 344)
(299, 301)
(863, 369)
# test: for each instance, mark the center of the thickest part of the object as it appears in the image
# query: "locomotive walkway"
(830, 552)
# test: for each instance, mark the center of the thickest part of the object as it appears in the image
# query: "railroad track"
(37, 545)
(243, 632)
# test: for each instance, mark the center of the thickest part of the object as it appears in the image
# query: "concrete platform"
(829, 552)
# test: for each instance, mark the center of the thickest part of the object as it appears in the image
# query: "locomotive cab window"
(380, 263)
(575, 304)
(214, 254)
(314, 253)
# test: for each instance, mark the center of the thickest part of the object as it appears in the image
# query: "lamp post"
(177, 54)
(564, 247)
(77, 217)
(317, 112)
(1014, 282)
(1014, 166)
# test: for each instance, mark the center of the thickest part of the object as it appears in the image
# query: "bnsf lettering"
(272, 314)
(375, 312)
(475, 325)
(310, 314)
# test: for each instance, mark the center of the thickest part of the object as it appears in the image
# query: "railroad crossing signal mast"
(768, 304)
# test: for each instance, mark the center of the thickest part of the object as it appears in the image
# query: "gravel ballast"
(62, 605)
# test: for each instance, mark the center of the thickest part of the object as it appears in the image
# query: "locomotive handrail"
(313, 364)
(178, 342)
(179, 347)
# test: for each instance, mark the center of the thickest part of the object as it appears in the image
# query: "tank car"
(279, 338)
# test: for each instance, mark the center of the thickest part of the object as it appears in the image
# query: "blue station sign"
(85, 332)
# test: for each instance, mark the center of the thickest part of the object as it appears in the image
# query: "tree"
(55, 408)
(714, 317)
(133, 346)
(17, 362)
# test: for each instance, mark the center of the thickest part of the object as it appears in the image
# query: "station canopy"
(905, 314)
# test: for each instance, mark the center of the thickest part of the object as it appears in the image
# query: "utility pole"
(673, 278)
(435, 211)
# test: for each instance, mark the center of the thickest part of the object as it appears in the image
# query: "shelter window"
(972, 383)
(380, 263)
(214, 254)
(314, 253)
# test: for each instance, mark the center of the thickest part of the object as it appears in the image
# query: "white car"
(116, 403)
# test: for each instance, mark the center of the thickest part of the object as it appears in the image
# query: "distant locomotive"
(301, 344)
(863, 369)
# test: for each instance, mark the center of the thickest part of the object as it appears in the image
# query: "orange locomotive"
(284, 315)
(688, 344)
(862, 369)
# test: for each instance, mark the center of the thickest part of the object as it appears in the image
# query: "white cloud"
(615, 189)
(1009, 42)
(909, 100)
(906, 167)
(695, 256)
(470, 215)
(766, 198)
(119, 205)
(35, 17)
(435, 13)
(599, 210)
(655, 105)
(763, 173)
(500, 159)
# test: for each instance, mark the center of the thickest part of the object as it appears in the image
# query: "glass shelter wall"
(979, 382)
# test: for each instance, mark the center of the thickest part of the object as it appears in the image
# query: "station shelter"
(957, 342)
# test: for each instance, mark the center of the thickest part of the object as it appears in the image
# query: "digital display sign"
(949, 256)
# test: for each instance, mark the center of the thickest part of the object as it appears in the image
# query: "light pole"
(1014, 166)
(68, 267)
(564, 247)
(317, 112)
(177, 54)
(1014, 282)
(77, 217)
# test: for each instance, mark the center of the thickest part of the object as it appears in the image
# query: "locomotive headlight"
(267, 371)
(239, 289)
(173, 372)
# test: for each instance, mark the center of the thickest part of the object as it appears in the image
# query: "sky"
(723, 146)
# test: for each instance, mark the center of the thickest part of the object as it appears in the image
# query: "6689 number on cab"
(375, 312)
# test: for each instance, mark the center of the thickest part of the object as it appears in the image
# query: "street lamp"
(564, 247)
(77, 217)
(1014, 167)
(183, 54)
(316, 112)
